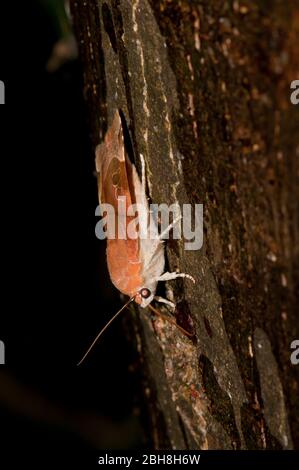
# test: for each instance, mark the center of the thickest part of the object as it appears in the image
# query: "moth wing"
(115, 179)
(113, 167)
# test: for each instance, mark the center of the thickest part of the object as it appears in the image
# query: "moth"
(135, 265)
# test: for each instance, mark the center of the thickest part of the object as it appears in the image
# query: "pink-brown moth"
(135, 265)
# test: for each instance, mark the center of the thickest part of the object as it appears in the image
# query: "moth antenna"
(104, 329)
(170, 320)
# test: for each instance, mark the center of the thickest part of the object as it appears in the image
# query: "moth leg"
(170, 276)
(167, 230)
(164, 301)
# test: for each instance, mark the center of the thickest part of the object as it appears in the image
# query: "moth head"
(144, 297)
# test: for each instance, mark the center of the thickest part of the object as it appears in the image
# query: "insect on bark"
(135, 265)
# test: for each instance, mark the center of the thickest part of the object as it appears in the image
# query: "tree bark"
(205, 89)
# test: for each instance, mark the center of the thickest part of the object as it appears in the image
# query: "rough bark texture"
(204, 86)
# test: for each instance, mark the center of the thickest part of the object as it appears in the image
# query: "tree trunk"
(205, 89)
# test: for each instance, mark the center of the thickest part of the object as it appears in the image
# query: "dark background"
(56, 293)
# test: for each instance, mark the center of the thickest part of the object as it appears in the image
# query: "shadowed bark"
(205, 90)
